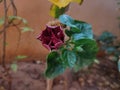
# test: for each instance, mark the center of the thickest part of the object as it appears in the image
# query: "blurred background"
(101, 14)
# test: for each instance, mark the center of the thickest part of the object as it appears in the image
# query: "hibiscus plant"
(70, 42)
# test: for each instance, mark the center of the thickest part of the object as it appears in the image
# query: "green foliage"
(89, 48)
(14, 67)
(55, 11)
(10, 18)
(109, 45)
(107, 37)
(24, 21)
(86, 54)
(26, 29)
(67, 20)
(79, 50)
(19, 57)
(1, 21)
(107, 40)
(68, 58)
(54, 65)
(78, 29)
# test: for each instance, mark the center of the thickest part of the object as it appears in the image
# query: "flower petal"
(60, 3)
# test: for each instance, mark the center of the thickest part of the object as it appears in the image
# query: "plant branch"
(4, 34)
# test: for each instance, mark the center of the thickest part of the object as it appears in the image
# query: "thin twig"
(14, 8)
(4, 34)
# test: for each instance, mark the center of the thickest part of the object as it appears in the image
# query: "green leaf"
(14, 67)
(85, 30)
(82, 63)
(18, 18)
(107, 37)
(78, 49)
(78, 29)
(26, 29)
(71, 57)
(6, 44)
(96, 61)
(1, 21)
(55, 11)
(72, 31)
(119, 65)
(75, 30)
(54, 65)
(87, 55)
(68, 33)
(110, 49)
(21, 57)
(67, 20)
(68, 58)
(89, 47)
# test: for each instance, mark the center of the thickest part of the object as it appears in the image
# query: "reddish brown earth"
(29, 76)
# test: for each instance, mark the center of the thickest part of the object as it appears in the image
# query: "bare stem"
(3, 31)
(4, 34)
(49, 84)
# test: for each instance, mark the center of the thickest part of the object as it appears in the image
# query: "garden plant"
(21, 25)
(70, 41)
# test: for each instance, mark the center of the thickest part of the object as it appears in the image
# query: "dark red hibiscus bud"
(52, 37)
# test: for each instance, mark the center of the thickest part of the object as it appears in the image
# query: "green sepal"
(55, 11)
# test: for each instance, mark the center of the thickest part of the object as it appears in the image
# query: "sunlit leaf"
(14, 67)
(85, 30)
(21, 57)
(67, 20)
(18, 18)
(97, 61)
(26, 29)
(78, 29)
(1, 21)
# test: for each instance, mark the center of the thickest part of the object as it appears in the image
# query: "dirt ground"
(29, 76)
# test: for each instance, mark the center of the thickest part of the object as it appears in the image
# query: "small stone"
(89, 81)
(107, 83)
(81, 79)
(61, 82)
(112, 86)
(38, 62)
(116, 85)
(100, 84)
